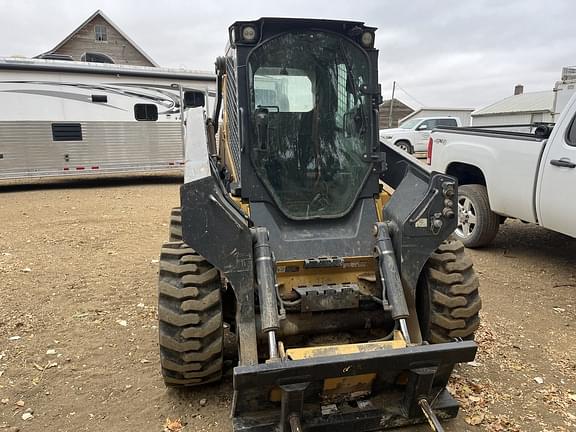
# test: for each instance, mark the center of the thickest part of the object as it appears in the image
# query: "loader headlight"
(367, 39)
(249, 33)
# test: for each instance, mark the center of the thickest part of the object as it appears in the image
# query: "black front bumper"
(403, 376)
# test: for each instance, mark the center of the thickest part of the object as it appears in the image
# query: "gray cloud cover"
(444, 53)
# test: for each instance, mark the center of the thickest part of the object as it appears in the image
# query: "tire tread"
(455, 302)
(190, 317)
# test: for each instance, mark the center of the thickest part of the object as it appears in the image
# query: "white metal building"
(462, 113)
(521, 108)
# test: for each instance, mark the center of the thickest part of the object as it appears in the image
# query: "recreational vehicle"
(60, 118)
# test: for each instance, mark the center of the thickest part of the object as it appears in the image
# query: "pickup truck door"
(422, 135)
(557, 191)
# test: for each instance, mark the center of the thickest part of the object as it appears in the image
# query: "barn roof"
(541, 101)
(114, 26)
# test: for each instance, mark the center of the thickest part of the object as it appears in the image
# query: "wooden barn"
(399, 111)
(99, 40)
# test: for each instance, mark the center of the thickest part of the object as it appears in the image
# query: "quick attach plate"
(329, 297)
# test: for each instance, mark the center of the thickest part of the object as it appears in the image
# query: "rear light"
(429, 152)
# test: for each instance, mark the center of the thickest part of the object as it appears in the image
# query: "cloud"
(444, 53)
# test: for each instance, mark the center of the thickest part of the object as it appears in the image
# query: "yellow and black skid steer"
(326, 253)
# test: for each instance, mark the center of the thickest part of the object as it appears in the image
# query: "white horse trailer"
(60, 118)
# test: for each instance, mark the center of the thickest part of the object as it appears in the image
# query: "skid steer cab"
(323, 253)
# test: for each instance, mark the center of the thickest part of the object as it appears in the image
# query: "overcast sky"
(455, 53)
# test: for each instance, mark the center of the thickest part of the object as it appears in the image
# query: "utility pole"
(391, 105)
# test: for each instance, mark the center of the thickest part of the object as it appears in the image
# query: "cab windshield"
(310, 122)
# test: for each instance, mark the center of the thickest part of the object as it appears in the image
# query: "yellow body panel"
(243, 206)
(358, 270)
(224, 147)
(351, 387)
(381, 200)
(347, 387)
(333, 350)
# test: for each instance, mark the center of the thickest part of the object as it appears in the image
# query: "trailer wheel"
(175, 228)
(405, 145)
(190, 317)
(477, 223)
(448, 301)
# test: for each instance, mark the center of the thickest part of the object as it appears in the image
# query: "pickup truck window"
(410, 124)
(571, 134)
(447, 122)
(430, 124)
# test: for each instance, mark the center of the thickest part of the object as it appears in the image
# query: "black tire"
(175, 228)
(405, 145)
(190, 317)
(448, 301)
(477, 223)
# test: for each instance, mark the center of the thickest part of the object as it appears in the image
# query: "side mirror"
(422, 127)
(194, 99)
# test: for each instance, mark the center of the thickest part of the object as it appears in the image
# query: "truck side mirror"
(194, 99)
(422, 127)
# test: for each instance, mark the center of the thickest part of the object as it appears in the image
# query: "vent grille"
(66, 132)
(233, 132)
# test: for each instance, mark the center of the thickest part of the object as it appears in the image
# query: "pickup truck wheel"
(477, 224)
(447, 297)
(405, 145)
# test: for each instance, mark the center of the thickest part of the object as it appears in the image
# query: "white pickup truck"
(412, 135)
(509, 174)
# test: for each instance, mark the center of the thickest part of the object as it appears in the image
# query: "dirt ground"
(78, 336)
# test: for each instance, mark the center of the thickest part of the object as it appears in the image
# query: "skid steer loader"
(326, 254)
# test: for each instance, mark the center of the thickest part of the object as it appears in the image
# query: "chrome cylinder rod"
(430, 416)
(272, 345)
(404, 330)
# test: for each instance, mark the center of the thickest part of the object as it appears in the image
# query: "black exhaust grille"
(233, 131)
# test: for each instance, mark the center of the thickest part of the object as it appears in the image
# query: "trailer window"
(100, 98)
(145, 112)
(66, 132)
(571, 134)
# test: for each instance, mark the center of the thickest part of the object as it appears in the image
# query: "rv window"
(66, 132)
(100, 98)
(146, 112)
(571, 133)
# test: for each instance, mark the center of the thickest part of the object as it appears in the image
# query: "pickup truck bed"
(506, 159)
(510, 174)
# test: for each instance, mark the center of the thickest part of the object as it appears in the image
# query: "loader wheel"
(477, 223)
(190, 317)
(448, 301)
(175, 228)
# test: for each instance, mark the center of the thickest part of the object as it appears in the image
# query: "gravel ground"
(78, 336)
